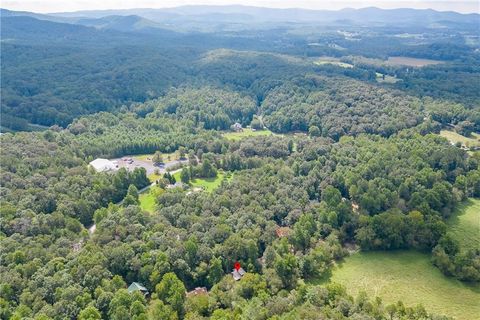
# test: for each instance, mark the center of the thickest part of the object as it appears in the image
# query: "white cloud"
(74, 5)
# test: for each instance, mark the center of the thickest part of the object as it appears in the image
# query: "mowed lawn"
(147, 198)
(246, 133)
(410, 277)
(208, 184)
(464, 225)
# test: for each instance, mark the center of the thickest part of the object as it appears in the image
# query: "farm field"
(454, 137)
(246, 133)
(395, 61)
(412, 62)
(465, 224)
(410, 277)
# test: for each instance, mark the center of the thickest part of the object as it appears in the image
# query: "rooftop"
(102, 165)
(135, 286)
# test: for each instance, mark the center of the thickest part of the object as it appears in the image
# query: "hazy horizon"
(52, 6)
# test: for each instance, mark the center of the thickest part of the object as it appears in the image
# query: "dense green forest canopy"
(377, 192)
(345, 159)
(57, 68)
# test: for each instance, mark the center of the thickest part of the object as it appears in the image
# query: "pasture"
(410, 277)
(464, 225)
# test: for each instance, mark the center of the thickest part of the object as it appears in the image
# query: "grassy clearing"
(147, 198)
(388, 79)
(211, 184)
(454, 137)
(332, 61)
(246, 133)
(410, 277)
(394, 61)
(208, 184)
(465, 224)
(154, 177)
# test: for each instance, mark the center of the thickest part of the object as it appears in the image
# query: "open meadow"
(453, 137)
(408, 276)
(247, 132)
(464, 225)
(147, 198)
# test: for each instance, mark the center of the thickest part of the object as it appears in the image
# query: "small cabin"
(238, 274)
(135, 286)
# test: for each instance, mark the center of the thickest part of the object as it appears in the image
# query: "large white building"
(102, 165)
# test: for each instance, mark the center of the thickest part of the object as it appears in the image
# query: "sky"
(46, 6)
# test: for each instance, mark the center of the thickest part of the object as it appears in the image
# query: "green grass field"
(209, 184)
(246, 133)
(410, 277)
(465, 224)
(454, 137)
(147, 198)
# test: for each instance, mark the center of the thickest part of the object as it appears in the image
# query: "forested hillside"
(247, 164)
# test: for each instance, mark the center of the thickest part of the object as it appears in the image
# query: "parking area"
(130, 163)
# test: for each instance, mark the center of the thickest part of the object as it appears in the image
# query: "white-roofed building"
(102, 165)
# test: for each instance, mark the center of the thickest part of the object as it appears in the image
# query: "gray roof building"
(135, 286)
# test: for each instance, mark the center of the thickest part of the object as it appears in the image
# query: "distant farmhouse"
(237, 127)
(103, 165)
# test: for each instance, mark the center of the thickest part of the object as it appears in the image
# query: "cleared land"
(154, 177)
(395, 61)
(411, 62)
(332, 61)
(246, 133)
(410, 277)
(208, 184)
(465, 224)
(147, 198)
(452, 136)
(387, 79)
(211, 184)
